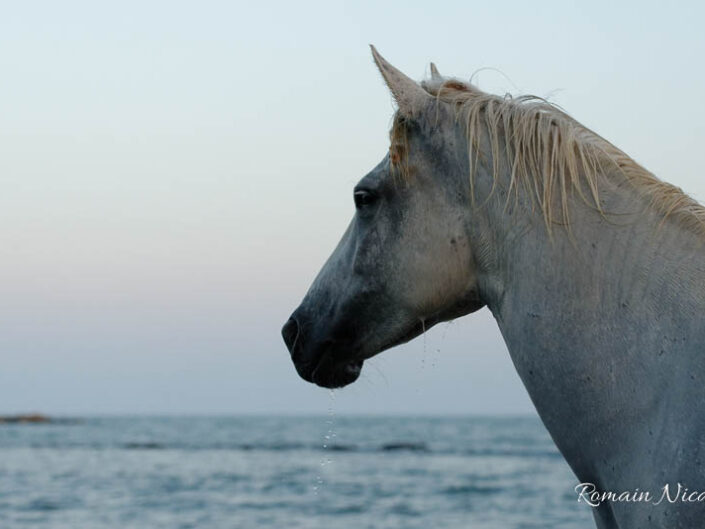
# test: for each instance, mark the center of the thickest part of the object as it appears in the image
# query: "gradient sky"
(174, 175)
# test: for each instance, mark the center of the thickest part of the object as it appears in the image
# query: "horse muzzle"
(318, 359)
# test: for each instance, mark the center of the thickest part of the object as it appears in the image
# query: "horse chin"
(338, 375)
(332, 374)
(329, 371)
(415, 330)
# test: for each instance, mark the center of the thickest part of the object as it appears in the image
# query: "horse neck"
(588, 314)
(627, 252)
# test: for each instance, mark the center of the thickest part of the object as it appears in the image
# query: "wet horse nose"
(290, 332)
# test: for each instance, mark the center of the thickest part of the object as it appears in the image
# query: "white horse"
(593, 268)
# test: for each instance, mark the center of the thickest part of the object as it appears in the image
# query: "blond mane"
(551, 156)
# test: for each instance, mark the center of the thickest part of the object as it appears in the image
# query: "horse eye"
(363, 198)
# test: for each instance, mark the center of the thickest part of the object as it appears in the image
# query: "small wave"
(285, 446)
(342, 448)
(153, 445)
(404, 509)
(280, 447)
(357, 508)
(44, 504)
(511, 453)
(405, 447)
(264, 505)
(143, 446)
(228, 477)
(470, 489)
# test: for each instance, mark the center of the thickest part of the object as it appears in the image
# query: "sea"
(327, 472)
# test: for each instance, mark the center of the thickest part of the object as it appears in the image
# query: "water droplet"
(330, 434)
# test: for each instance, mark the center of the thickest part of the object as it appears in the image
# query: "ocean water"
(286, 472)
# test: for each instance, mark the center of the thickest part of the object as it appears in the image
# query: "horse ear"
(435, 74)
(407, 93)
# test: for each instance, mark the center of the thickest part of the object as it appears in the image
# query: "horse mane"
(551, 155)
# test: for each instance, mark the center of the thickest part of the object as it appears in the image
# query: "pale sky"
(175, 174)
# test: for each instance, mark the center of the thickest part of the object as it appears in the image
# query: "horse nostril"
(290, 332)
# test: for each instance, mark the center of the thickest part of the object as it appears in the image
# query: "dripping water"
(423, 332)
(328, 439)
(437, 355)
(423, 355)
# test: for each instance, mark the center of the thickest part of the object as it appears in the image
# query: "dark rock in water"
(30, 418)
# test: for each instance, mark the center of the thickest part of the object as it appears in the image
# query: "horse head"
(405, 262)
